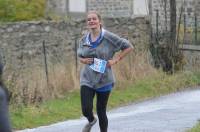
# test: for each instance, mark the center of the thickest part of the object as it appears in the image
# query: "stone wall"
(21, 44)
(192, 59)
(191, 56)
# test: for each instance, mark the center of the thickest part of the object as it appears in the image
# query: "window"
(77, 6)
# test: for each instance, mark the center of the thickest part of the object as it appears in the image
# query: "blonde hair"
(95, 12)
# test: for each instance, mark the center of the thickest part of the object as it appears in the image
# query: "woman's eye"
(89, 19)
(94, 18)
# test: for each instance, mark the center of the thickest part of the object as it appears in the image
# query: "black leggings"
(87, 96)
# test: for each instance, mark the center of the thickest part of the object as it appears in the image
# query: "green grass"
(46, 113)
(195, 128)
(21, 10)
(69, 107)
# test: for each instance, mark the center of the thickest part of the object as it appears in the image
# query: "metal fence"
(188, 29)
(187, 33)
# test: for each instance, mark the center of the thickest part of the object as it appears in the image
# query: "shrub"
(21, 10)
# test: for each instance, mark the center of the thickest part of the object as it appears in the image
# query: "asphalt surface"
(171, 113)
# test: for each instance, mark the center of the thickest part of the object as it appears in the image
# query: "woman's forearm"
(120, 56)
(86, 60)
(123, 53)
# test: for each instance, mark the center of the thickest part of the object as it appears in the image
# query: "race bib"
(99, 65)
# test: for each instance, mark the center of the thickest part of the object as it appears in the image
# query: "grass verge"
(69, 107)
(196, 128)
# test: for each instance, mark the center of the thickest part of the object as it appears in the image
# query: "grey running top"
(110, 44)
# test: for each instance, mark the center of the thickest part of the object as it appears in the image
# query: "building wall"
(112, 8)
(108, 8)
(57, 7)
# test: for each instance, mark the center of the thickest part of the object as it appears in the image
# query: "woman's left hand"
(113, 61)
(119, 57)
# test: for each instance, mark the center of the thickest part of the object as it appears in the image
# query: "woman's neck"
(95, 33)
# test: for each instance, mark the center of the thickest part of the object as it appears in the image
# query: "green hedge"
(21, 10)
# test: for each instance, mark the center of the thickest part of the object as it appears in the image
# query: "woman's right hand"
(87, 60)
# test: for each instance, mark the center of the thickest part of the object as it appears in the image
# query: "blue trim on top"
(97, 42)
(105, 88)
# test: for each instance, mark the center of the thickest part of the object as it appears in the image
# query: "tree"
(173, 46)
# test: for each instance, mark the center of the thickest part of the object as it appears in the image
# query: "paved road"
(172, 113)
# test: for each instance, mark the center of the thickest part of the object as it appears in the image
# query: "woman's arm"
(119, 57)
(86, 60)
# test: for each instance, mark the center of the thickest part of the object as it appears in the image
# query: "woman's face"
(93, 21)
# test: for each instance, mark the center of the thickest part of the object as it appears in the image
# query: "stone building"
(108, 8)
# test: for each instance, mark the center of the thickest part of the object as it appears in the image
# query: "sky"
(140, 7)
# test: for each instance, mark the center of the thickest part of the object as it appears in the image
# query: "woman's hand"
(113, 61)
(119, 57)
(87, 60)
